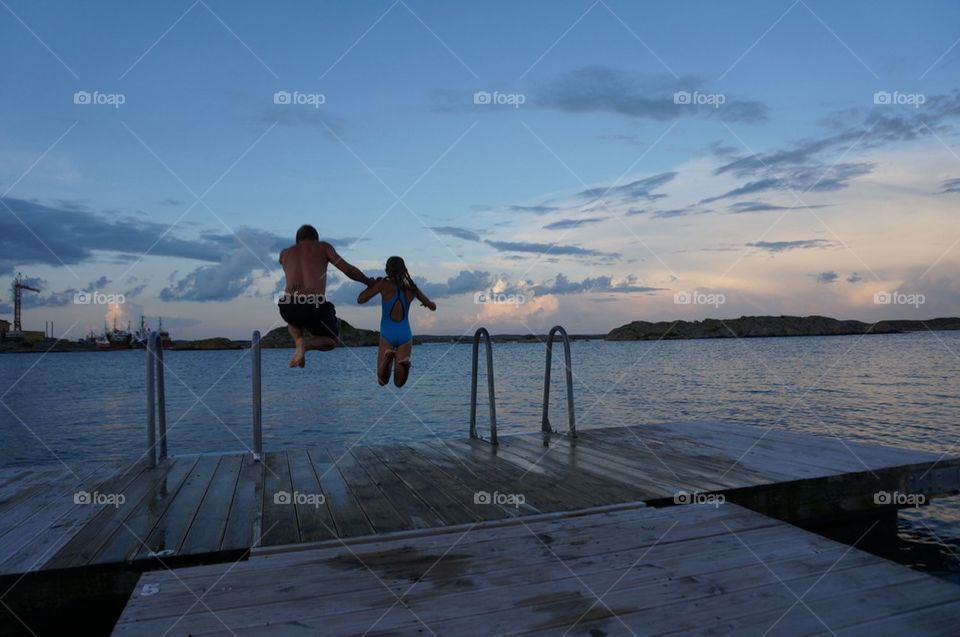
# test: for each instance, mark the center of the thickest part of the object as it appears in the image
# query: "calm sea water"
(897, 390)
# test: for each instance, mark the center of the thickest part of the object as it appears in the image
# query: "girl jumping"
(396, 292)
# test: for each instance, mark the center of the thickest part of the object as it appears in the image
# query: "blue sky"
(598, 199)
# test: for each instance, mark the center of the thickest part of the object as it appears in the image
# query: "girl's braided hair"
(397, 271)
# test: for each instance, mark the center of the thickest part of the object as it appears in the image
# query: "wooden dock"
(688, 570)
(66, 534)
(218, 506)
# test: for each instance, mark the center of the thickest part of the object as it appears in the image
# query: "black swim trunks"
(310, 312)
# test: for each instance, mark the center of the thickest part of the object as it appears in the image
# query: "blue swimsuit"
(395, 332)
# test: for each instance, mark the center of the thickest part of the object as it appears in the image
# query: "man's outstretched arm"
(348, 269)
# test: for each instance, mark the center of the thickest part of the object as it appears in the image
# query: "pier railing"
(257, 397)
(545, 422)
(485, 335)
(156, 401)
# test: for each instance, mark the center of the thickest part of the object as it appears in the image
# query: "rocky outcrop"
(751, 326)
(350, 335)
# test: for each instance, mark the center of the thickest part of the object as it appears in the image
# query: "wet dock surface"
(682, 570)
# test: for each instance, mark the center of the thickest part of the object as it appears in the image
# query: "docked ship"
(115, 338)
(140, 336)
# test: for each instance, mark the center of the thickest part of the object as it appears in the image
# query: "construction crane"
(18, 287)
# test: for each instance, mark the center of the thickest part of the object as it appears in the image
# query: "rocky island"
(760, 326)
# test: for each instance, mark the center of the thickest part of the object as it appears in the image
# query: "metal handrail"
(257, 397)
(156, 401)
(483, 333)
(545, 423)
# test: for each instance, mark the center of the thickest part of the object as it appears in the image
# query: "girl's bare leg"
(402, 369)
(385, 356)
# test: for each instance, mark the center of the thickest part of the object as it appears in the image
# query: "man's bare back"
(305, 266)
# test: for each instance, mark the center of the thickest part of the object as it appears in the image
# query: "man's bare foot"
(299, 357)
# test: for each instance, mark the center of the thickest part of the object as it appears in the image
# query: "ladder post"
(568, 365)
(161, 395)
(257, 397)
(482, 333)
(151, 407)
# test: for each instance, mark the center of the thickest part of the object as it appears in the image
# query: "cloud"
(54, 235)
(562, 285)
(802, 165)
(854, 277)
(801, 179)
(537, 210)
(171, 202)
(826, 277)
(762, 206)
(453, 231)
(547, 248)
(637, 190)
(243, 257)
(564, 224)
(951, 185)
(784, 246)
(603, 89)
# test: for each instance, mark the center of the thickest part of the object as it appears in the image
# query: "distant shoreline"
(743, 327)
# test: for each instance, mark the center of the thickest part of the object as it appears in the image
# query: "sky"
(581, 163)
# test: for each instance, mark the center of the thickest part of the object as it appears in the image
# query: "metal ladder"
(483, 334)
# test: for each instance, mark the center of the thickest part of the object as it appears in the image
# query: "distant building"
(4, 328)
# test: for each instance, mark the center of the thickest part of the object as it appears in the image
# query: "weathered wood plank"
(348, 517)
(279, 512)
(244, 521)
(206, 531)
(313, 516)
